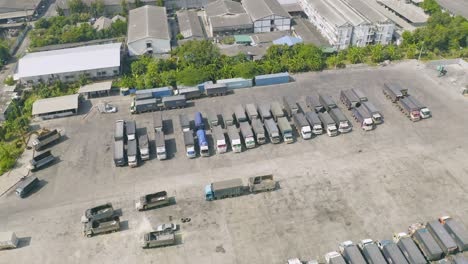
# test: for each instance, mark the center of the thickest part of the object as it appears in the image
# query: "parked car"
(170, 227)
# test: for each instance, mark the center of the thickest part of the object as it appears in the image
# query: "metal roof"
(458, 7)
(189, 24)
(55, 104)
(233, 21)
(147, 22)
(223, 7)
(258, 9)
(69, 60)
(96, 87)
(366, 11)
(347, 13)
(288, 40)
(409, 11)
(7, 6)
(328, 12)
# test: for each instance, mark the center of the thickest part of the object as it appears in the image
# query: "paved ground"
(350, 187)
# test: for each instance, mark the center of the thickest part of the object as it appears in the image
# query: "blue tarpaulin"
(288, 40)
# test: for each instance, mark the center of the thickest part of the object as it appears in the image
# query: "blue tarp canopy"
(288, 40)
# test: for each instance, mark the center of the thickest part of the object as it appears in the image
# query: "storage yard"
(357, 185)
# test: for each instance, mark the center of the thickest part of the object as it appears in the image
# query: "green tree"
(179, 36)
(124, 7)
(138, 3)
(4, 53)
(160, 2)
(355, 55)
(430, 6)
(247, 70)
(377, 53)
(192, 76)
(97, 8)
(77, 6)
(9, 80)
(41, 23)
(196, 53)
(59, 10)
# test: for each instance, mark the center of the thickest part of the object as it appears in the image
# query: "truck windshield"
(205, 150)
(161, 153)
(426, 112)
(377, 117)
(131, 159)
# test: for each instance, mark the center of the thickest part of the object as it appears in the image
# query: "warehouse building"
(148, 31)
(267, 15)
(226, 17)
(68, 65)
(185, 4)
(19, 10)
(459, 7)
(189, 25)
(407, 11)
(56, 107)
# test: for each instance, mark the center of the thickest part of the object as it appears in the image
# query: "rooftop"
(329, 12)
(147, 22)
(258, 9)
(347, 12)
(55, 104)
(457, 7)
(223, 7)
(69, 60)
(7, 6)
(189, 24)
(366, 11)
(308, 33)
(96, 87)
(102, 23)
(239, 20)
(409, 11)
(287, 40)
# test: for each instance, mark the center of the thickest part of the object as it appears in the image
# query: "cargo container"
(201, 86)
(394, 91)
(132, 153)
(276, 110)
(26, 185)
(442, 237)
(219, 139)
(119, 153)
(50, 137)
(259, 131)
(264, 111)
(190, 92)
(344, 126)
(391, 252)
(217, 89)
(327, 102)
(184, 122)
(199, 123)
(349, 99)
(144, 146)
(360, 95)
(189, 143)
(334, 258)
(156, 92)
(158, 122)
(143, 96)
(273, 131)
(262, 183)
(247, 135)
(351, 253)
(286, 130)
(158, 239)
(224, 189)
(328, 124)
(175, 101)
(377, 117)
(236, 83)
(142, 106)
(239, 112)
(302, 126)
(130, 127)
(315, 123)
(423, 110)
(408, 248)
(251, 111)
(371, 252)
(426, 242)
(234, 139)
(213, 119)
(363, 118)
(457, 231)
(290, 106)
(314, 104)
(228, 118)
(269, 79)
(409, 109)
(203, 143)
(119, 130)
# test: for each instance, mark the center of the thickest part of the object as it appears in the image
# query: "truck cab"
(334, 258)
(203, 143)
(189, 144)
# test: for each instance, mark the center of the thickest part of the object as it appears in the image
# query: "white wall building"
(226, 17)
(267, 15)
(148, 31)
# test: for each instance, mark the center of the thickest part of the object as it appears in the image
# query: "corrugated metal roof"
(234, 21)
(96, 87)
(147, 22)
(347, 13)
(409, 11)
(55, 104)
(366, 11)
(328, 12)
(258, 9)
(288, 40)
(69, 60)
(189, 24)
(223, 7)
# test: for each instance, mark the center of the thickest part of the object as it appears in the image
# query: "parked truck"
(160, 141)
(328, 124)
(273, 131)
(95, 227)
(203, 143)
(157, 239)
(251, 111)
(360, 95)
(152, 200)
(264, 111)
(132, 153)
(219, 139)
(46, 139)
(189, 144)
(119, 130)
(425, 241)
(130, 128)
(442, 237)
(119, 153)
(394, 91)
(184, 122)
(457, 231)
(234, 139)
(290, 105)
(344, 126)
(175, 101)
(315, 123)
(228, 118)
(327, 102)
(158, 122)
(247, 135)
(371, 252)
(199, 123)
(314, 104)
(363, 118)
(377, 117)
(409, 248)
(459, 259)
(409, 109)
(8, 240)
(391, 252)
(276, 110)
(216, 89)
(239, 112)
(259, 131)
(146, 105)
(351, 253)
(423, 110)
(41, 160)
(334, 258)
(26, 185)
(302, 126)
(143, 143)
(190, 92)
(102, 211)
(235, 187)
(286, 130)
(349, 99)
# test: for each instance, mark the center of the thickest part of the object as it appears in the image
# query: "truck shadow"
(172, 201)
(118, 212)
(37, 188)
(168, 126)
(171, 147)
(152, 149)
(24, 242)
(211, 144)
(124, 225)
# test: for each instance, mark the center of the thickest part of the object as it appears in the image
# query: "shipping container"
(236, 83)
(157, 92)
(290, 105)
(239, 112)
(442, 237)
(190, 92)
(457, 231)
(314, 104)
(216, 89)
(143, 96)
(426, 242)
(201, 86)
(270, 79)
(392, 253)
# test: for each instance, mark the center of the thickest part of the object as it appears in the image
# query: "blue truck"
(203, 143)
(199, 124)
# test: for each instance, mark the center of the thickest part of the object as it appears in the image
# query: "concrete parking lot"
(350, 187)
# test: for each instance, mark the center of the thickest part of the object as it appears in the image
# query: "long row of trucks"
(363, 111)
(407, 104)
(141, 104)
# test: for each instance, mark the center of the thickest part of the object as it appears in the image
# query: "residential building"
(226, 17)
(102, 23)
(148, 31)
(189, 24)
(267, 15)
(67, 65)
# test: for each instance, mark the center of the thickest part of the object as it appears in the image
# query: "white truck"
(132, 153)
(189, 142)
(259, 131)
(377, 117)
(219, 139)
(315, 123)
(329, 124)
(160, 145)
(234, 138)
(286, 130)
(302, 126)
(247, 134)
(344, 126)
(334, 258)
(8, 240)
(363, 118)
(273, 131)
(45, 139)
(251, 111)
(423, 110)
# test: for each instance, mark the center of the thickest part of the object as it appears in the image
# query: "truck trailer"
(423, 110)
(377, 117)
(184, 122)
(409, 109)
(409, 248)
(119, 153)
(175, 101)
(99, 212)
(217, 89)
(213, 119)
(273, 131)
(264, 111)
(228, 118)
(425, 241)
(158, 122)
(394, 91)
(349, 99)
(190, 92)
(262, 183)
(41, 160)
(46, 139)
(457, 231)
(239, 112)
(302, 126)
(351, 253)
(327, 101)
(391, 252)
(259, 131)
(442, 237)
(276, 110)
(315, 123)
(328, 124)
(130, 128)
(152, 200)
(119, 130)
(26, 185)
(344, 126)
(203, 143)
(290, 106)
(95, 227)
(234, 139)
(334, 258)
(199, 123)
(219, 139)
(160, 141)
(8, 240)
(363, 118)
(132, 153)
(157, 239)
(360, 95)
(371, 252)
(247, 135)
(314, 104)
(143, 143)
(235, 187)
(189, 144)
(146, 105)
(286, 130)
(251, 111)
